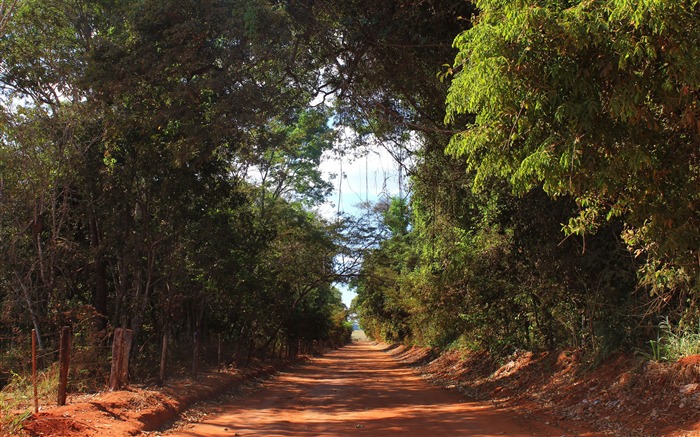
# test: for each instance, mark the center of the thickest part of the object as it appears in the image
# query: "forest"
(159, 171)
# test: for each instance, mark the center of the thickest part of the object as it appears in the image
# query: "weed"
(673, 343)
(655, 349)
(16, 422)
(680, 342)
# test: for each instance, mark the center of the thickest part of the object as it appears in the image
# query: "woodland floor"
(374, 389)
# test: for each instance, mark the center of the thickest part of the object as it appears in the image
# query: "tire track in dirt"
(358, 390)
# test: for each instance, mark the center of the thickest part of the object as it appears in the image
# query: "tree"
(593, 99)
(128, 132)
(44, 139)
(285, 157)
(7, 8)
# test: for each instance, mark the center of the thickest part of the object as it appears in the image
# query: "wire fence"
(100, 362)
(86, 368)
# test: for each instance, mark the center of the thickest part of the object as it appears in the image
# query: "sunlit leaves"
(126, 132)
(594, 99)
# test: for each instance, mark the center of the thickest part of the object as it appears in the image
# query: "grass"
(673, 344)
(17, 398)
(680, 343)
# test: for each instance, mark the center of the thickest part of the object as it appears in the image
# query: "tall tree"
(597, 100)
(128, 131)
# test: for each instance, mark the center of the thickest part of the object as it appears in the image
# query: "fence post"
(128, 336)
(163, 355)
(218, 352)
(64, 364)
(195, 355)
(121, 347)
(36, 396)
(116, 359)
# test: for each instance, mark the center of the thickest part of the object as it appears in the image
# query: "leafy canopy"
(598, 99)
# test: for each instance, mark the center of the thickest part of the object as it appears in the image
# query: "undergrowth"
(672, 343)
(17, 398)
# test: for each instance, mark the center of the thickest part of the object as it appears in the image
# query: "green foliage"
(396, 216)
(590, 99)
(130, 135)
(493, 271)
(571, 116)
(159, 159)
(288, 154)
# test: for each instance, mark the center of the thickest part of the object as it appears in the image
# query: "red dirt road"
(359, 390)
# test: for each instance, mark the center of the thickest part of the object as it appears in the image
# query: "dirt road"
(359, 390)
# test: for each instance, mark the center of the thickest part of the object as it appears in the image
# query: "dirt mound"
(624, 396)
(130, 412)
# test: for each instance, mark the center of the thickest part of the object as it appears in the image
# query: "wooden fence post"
(116, 359)
(124, 377)
(64, 364)
(195, 355)
(121, 347)
(36, 396)
(163, 355)
(218, 352)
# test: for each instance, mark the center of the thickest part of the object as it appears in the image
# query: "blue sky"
(365, 179)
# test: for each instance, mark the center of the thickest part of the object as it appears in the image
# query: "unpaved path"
(359, 390)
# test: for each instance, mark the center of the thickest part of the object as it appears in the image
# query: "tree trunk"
(99, 292)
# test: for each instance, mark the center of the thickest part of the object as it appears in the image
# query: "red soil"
(362, 389)
(625, 396)
(129, 412)
(359, 389)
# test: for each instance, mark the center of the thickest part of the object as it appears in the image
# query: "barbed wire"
(27, 334)
(46, 354)
(23, 334)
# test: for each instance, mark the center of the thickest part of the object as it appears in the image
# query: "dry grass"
(17, 398)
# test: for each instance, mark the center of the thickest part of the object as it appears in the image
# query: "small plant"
(655, 350)
(15, 422)
(11, 401)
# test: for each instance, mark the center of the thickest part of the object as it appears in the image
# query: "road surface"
(359, 390)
